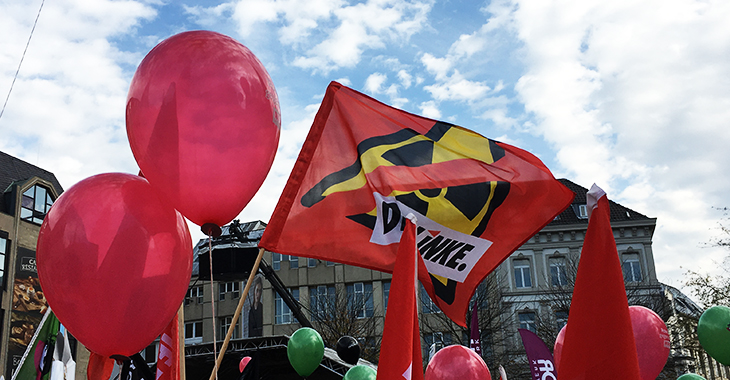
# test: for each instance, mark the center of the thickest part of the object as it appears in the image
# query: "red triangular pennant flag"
(599, 339)
(400, 352)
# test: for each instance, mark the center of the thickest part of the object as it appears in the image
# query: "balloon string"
(212, 304)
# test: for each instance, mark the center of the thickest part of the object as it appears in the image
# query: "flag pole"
(181, 340)
(254, 270)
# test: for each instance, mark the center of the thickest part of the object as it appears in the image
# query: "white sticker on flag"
(446, 253)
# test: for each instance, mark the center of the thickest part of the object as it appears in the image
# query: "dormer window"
(35, 203)
(583, 211)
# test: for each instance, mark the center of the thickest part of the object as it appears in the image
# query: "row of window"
(277, 258)
(558, 270)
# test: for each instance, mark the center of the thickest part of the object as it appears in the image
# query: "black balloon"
(348, 349)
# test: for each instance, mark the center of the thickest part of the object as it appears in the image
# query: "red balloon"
(650, 336)
(652, 341)
(114, 262)
(203, 122)
(242, 364)
(457, 363)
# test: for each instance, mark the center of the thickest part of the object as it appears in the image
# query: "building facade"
(27, 194)
(531, 289)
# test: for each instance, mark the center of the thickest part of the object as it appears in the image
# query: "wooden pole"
(254, 270)
(181, 340)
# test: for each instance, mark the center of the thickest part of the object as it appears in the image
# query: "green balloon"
(360, 372)
(690, 376)
(713, 332)
(305, 350)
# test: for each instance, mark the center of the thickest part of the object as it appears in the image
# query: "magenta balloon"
(457, 363)
(114, 262)
(242, 364)
(203, 122)
(650, 336)
(652, 341)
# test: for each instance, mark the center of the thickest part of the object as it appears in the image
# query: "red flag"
(168, 359)
(599, 339)
(400, 352)
(365, 164)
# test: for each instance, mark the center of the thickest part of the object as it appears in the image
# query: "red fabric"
(168, 359)
(100, 367)
(463, 181)
(599, 340)
(400, 350)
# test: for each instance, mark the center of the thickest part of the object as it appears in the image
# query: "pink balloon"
(203, 122)
(652, 341)
(114, 262)
(651, 338)
(457, 362)
(242, 364)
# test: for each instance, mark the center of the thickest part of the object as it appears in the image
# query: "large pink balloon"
(652, 341)
(114, 262)
(203, 122)
(650, 336)
(457, 363)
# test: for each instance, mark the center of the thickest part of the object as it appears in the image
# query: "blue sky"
(633, 96)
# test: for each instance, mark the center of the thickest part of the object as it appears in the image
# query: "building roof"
(571, 215)
(14, 170)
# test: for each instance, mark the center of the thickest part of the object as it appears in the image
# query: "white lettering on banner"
(28, 264)
(165, 353)
(547, 369)
(446, 253)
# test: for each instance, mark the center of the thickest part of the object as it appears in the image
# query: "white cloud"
(628, 93)
(374, 83)
(430, 109)
(406, 79)
(331, 34)
(71, 89)
(457, 88)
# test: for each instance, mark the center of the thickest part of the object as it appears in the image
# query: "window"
(3, 253)
(194, 332)
(293, 262)
(360, 299)
(276, 260)
(312, 263)
(330, 263)
(149, 354)
(583, 212)
(228, 287)
(283, 314)
(225, 324)
(481, 296)
(527, 321)
(434, 342)
(194, 294)
(631, 267)
(386, 293)
(561, 317)
(523, 277)
(558, 271)
(322, 301)
(35, 203)
(427, 304)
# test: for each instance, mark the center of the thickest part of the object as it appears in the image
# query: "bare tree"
(495, 317)
(337, 314)
(709, 289)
